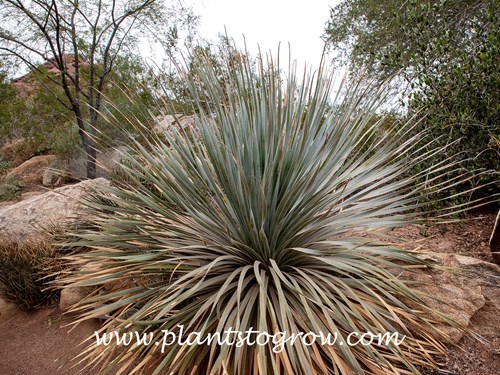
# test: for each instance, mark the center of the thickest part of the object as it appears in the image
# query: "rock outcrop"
(169, 123)
(30, 173)
(18, 151)
(468, 292)
(74, 168)
(56, 207)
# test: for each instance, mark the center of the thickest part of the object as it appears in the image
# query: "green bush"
(10, 188)
(25, 269)
(253, 226)
(4, 165)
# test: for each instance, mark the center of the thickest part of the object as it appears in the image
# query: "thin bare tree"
(79, 43)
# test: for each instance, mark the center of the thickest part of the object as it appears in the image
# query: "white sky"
(267, 23)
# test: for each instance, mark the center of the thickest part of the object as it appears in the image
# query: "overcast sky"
(267, 23)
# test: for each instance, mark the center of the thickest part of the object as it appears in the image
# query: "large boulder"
(486, 321)
(30, 173)
(18, 151)
(48, 210)
(168, 123)
(465, 289)
(74, 168)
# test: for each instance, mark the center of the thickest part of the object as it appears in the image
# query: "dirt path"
(38, 344)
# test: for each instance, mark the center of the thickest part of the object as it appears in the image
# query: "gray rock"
(47, 210)
(31, 172)
(168, 123)
(70, 297)
(74, 168)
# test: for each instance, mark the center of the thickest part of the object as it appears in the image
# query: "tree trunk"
(91, 161)
(88, 144)
(92, 147)
(91, 151)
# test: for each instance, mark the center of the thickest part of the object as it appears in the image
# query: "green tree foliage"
(9, 106)
(222, 56)
(131, 93)
(460, 90)
(82, 41)
(49, 126)
(445, 57)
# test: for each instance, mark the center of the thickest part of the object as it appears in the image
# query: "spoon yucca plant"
(251, 225)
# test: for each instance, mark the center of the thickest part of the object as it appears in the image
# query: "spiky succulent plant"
(261, 221)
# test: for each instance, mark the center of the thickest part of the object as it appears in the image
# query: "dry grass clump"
(26, 270)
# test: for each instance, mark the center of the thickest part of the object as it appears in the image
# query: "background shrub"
(10, 188)
(443, 59)
(4, 165)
